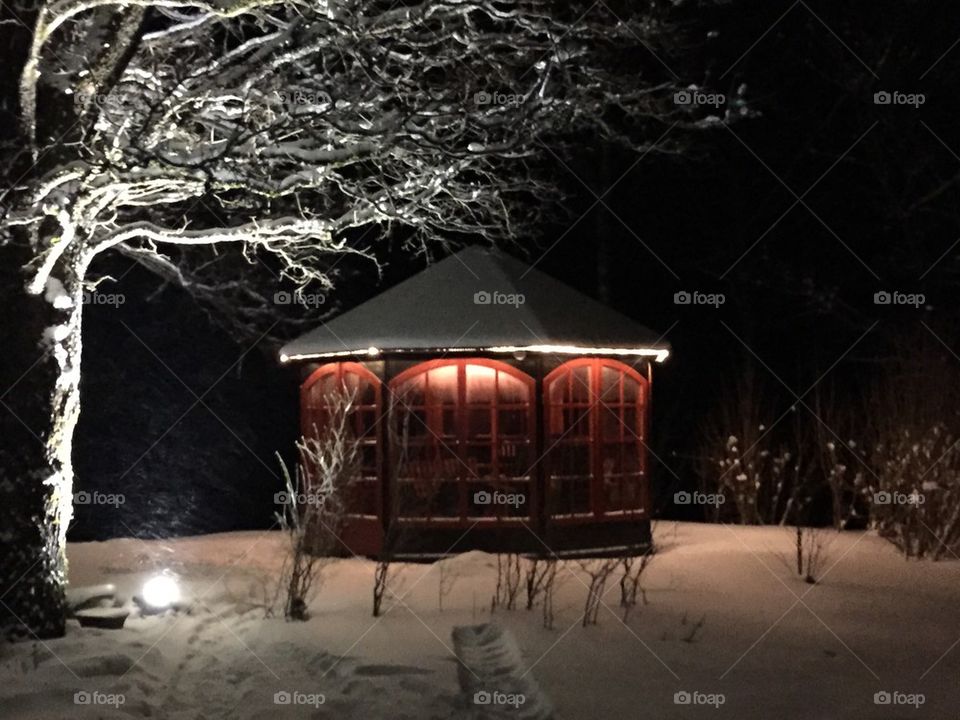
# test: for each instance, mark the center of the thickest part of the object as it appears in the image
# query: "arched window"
(364, 387)
(463, 437)
(596, 430)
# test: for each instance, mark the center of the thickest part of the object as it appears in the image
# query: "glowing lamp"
(161, 592)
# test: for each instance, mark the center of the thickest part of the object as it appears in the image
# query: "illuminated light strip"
(659, 354)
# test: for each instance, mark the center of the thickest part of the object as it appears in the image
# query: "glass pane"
(480, 383)
(315, 420)
(610, 384)
(580, 390)
(368, 395)
(449, 423)
(411, 392)
(515, 459)
(327, 384)
(413, 424)
(569, 460)
(610, 424)
(368, 460)
(624, 495)
(512, 390)
(428, 498)
(569, 497)
(613, 495)
(610, 463)
(350, 384)
(557, 392)
(576, 423)
(512, 422)
(479, 459)
(443, 385)
(362, 498)
(479, 423)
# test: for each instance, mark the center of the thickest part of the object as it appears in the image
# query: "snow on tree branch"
(291, 123)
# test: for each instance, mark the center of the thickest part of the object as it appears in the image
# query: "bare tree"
(283, 130)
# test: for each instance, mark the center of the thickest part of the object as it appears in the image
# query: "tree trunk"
(39, 382)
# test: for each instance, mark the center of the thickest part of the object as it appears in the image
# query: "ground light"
(161, 592)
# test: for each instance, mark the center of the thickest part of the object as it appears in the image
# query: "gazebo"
(495, 407)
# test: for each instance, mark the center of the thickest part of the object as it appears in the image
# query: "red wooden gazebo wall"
(568, 435)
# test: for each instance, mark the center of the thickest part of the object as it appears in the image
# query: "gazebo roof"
(443, 309)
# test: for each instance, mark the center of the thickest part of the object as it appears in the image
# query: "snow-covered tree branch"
(280, 128)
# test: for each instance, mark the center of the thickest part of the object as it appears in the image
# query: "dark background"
(882, 214)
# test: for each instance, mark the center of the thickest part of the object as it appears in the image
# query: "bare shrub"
(314, 505)
(840, 463)
(538, 574)
(692, 628)
(549, 586)
(632, 569)
(509, 574)
(915, 453)
(398, 431)
(760, 479)
(448, 578)
(811, 547)
(598, 572)
(381, 580)
(916, 503)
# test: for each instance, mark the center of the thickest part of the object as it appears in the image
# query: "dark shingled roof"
(442, 309)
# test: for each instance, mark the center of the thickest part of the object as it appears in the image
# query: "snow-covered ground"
(770, 645)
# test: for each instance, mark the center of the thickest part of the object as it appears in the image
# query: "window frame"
(373, 438)
(595, 407)
(466, 480)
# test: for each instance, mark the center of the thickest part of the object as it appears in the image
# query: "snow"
(56, 294)
(770, 645)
